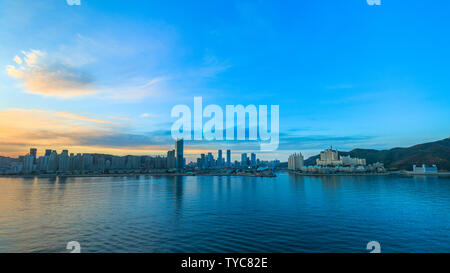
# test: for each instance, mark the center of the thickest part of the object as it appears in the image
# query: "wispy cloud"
(139, 89)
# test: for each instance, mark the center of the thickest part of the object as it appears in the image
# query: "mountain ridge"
(437, 152)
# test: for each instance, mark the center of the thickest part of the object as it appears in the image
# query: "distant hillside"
(403, 158)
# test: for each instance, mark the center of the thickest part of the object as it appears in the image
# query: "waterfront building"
(171, 160)
(228, 158)
(52, 162)
(33, 152)
(331, 157)
(28, 164)
(210, 161)
(295, 162)
(42, 163)
(88, 162)
(253, 160)
(179, 154)
(424, 169)
(202, 161)
(244, 160)
(63, 161)
(348, 161)
(219, 159)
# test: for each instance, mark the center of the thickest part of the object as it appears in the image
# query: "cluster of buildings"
(64, 163)
(329, 161)
(425, 169)
(53, 162)
(331, 157)
(208, 161)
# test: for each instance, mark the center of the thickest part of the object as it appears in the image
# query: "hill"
(437, 152)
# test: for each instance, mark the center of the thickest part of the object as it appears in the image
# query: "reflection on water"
(289, 213)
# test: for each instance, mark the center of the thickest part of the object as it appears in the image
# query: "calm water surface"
(225, 214)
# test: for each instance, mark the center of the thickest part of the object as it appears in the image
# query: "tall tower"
(33, 152)
(244, 160)
(179, 154)
(228, 158)
(219, 159)
(253, 160)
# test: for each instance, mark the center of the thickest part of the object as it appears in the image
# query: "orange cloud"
(21, 129)
(44, 76)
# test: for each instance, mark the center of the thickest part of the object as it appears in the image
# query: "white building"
(425, 169)
(28, 164)
(348, 161)
(331, 157)
(295, 162)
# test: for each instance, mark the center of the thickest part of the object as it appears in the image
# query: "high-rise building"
(219, 159)
(33, 152)
(48, 152)
(244, 160)
(52, 162)
(202, 161)
(28, 164)
(295, 162)
(209, 161)
(179, 154)
(228, 158)
(329, 157)
(63, 161)
(171, 160)
(42, 163)
(253, 160)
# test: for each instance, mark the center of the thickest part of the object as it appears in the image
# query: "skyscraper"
(244, 160)
(33, 152)
(63, 161)
(253, 160)
(295, 162)
(171, 160)
(52, 162)
(48, 152)
(179, 154)
(219, 159)
(228, 158)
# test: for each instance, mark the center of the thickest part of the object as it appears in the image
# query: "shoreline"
(341, 174)
(376, 174)
(130, 174)
(405, 174)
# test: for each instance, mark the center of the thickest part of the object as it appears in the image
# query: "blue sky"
(104, 76)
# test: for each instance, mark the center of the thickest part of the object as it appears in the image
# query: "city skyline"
(52, 162)
(109, 88)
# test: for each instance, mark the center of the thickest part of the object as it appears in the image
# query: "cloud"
(147, 115)
(50, 77)
(18, 60)
(311, 142)
(78, 117)
(21, 129)
(136, 91)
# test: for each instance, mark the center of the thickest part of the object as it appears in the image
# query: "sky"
(103, 76)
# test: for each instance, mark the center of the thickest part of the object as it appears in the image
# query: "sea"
(183, 214)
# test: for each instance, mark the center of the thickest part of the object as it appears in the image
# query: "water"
(225, 214)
